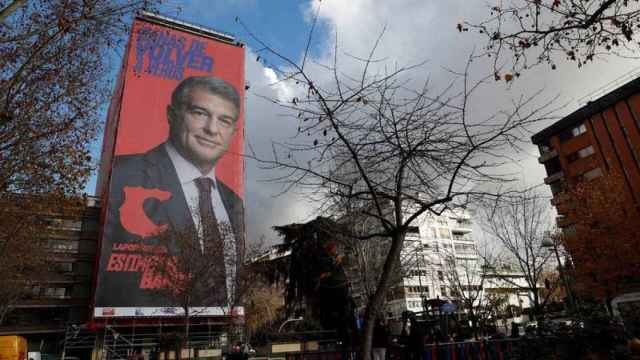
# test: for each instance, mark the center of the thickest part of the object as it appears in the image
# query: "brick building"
(601, 137)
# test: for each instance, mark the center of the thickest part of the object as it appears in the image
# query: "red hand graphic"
(132, 215)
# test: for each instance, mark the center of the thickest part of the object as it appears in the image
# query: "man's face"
(203, 128)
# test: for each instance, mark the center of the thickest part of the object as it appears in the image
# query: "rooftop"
(591, 108)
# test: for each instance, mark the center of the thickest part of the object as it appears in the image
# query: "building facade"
(508, 282)
(601, 137)
(60, 297)
(434, 249)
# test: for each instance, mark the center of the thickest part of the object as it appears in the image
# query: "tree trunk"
(377, 300)
(536, 304)
(474, 323)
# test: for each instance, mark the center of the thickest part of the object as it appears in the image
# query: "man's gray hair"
(213, 85)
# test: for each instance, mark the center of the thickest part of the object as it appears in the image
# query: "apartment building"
(435, 248)
(62, 296)
(601, 137)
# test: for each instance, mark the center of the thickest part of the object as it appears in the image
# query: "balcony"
(461, 226)
(466, 255)
(554, 177)
(462, 238)
(563, 221)
(547, 155)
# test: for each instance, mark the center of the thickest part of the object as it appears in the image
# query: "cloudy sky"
(416, 31)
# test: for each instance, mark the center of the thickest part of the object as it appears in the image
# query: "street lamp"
(549, 242)
(288, 321)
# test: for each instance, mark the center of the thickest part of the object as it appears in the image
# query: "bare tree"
(464, 269)
(365, 257)
(543, 31)
(196, 272)
(388, 149)
(520, 226)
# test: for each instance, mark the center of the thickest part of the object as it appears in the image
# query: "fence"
(505, 349)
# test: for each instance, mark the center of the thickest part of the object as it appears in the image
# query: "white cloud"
(416, 31)
(265, 123)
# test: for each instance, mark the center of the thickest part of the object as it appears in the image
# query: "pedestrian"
(380, 340)
(237, 353)
(515, 330)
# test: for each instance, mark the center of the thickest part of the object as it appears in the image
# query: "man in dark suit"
(173, 187)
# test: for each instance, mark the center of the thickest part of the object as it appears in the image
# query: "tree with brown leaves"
(544, 31)
(27, 222)
(54, 78)
(55, 66)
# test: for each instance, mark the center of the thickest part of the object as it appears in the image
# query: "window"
(56, 293)
(592, 174)
(553, 166)
(64, 267)
(582, 153)
(544, 148)
(65, 224)
(465, 249)
(63, 245)
(413, 230)
(443, 290)
(572, 132)
(440, 276)
(579, 130)
(458, 236)
(418, 273)
(417, 289)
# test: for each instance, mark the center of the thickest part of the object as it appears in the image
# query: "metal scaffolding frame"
(118, 342)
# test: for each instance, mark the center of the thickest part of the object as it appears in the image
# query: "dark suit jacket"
(151, 170)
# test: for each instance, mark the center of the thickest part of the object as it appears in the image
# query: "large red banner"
(174, 146)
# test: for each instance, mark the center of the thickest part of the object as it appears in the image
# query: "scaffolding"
(120, 342)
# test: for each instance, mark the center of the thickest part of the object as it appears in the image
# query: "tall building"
(601, 137)
(433, 249)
